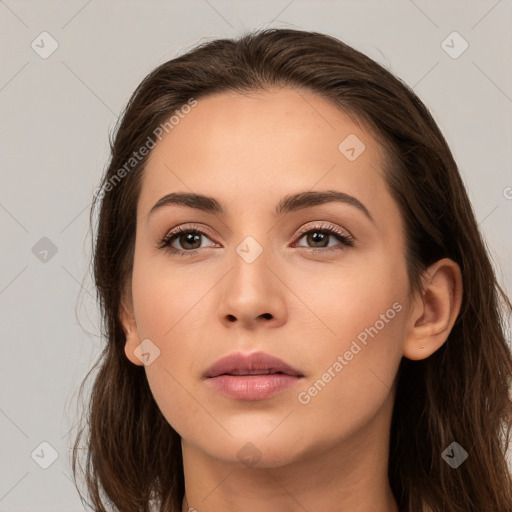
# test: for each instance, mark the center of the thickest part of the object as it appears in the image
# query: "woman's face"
(264, 278)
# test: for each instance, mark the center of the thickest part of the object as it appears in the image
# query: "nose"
(252, 295)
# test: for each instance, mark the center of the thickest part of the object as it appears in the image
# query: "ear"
(435, 309)
(127, 319)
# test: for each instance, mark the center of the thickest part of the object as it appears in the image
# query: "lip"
(246, 377)
(239, 363)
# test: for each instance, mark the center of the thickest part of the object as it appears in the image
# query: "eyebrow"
(288, 204)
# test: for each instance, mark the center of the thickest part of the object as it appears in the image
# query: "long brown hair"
(458, 394)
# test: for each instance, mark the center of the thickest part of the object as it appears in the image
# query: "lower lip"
(252, 387)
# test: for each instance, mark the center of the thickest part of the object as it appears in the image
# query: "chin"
(255, 449)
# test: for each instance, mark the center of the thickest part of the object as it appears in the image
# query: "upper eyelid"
(323, 225)
(187, 227)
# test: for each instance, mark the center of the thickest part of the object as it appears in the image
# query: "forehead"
(261, 146)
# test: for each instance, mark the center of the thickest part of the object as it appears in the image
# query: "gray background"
(57, 113)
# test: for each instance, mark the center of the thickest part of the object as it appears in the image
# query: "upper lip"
(239, 363)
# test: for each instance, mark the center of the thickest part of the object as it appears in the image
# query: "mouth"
(253, 376)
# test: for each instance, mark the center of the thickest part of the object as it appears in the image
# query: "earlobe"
(127, 319)
(435, 310)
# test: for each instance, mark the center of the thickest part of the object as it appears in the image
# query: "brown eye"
(183, 241)
(319, 238)
(188, 240)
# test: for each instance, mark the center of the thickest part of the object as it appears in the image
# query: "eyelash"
(346, 239)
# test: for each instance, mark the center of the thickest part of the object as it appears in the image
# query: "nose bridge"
(251, 244)
(250, 290)
(250, 275)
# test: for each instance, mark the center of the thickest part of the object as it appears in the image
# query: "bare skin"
(298, 300)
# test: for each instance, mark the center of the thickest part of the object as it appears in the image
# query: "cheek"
(167, 296)
(342, 300)
(360, 328)
(353, 370)
(169, 308)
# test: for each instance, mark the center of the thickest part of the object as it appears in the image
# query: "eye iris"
(190, 238)
(317, 237)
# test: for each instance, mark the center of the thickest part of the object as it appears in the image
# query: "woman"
(299, 310)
